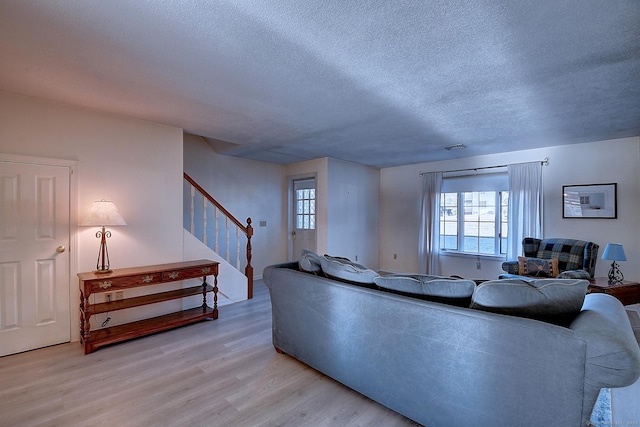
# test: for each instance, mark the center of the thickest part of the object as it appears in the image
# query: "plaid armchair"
(576, 258)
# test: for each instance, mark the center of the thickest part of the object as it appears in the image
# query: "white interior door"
(34, 256)
(303, 234)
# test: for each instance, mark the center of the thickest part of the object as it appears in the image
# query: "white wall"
(246, 188)
(353, 219)
(136, 164)
(591, 163)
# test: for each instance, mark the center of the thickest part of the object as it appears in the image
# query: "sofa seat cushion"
(345, 269)
(434, 288)
(551, 300)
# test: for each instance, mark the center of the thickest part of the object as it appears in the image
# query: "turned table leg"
(82, 308)
(215, 296)
(85, 324)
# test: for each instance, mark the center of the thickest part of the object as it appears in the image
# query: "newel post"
(248, 270)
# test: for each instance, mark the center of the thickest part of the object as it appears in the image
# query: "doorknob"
(60, 249)
(293, 235)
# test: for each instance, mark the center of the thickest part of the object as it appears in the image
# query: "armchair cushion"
(574, 274)
(511, 267)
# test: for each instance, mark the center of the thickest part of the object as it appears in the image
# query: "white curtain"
(525, 205)
(429, 245)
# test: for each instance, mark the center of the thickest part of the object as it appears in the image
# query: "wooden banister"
(246, 229)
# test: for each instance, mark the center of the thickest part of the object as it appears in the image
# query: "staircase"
(215, 227)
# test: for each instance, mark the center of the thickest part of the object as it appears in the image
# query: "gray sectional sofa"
(447, 365)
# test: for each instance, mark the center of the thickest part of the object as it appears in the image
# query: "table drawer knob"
(147, 279)
(174, 275)
(206, 270)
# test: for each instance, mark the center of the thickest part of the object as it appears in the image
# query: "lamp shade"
(103, 213)
(614, 252)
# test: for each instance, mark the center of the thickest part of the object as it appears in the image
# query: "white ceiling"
(377, 82)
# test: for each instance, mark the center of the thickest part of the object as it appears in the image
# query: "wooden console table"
(128, 278)
(627, 292)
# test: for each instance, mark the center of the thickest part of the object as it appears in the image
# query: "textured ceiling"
(376, 82)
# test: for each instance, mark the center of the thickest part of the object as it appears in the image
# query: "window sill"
(475, 256)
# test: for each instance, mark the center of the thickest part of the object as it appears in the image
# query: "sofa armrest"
(574, 274)
(511, 267)
(613, 355)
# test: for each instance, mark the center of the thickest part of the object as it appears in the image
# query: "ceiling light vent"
(455, 147)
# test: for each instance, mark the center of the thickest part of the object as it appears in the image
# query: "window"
(474, 213)
(306, 209)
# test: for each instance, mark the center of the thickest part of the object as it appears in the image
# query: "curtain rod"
(544, 162)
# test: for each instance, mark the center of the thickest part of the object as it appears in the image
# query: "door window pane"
(305, 209)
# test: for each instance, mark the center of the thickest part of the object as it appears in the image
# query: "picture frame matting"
(590, 201)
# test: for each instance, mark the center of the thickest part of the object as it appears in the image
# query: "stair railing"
(228, 242)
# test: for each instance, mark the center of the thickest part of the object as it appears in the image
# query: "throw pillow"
(538, 267)
(552, 300)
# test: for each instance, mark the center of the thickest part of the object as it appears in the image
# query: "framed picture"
(590, 201)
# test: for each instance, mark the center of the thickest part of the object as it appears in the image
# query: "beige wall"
(136, 164)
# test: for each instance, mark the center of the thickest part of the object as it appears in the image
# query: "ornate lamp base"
(102, 265)
(615, 275)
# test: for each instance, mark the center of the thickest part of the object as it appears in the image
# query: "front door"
(303, 234)
(34, 256)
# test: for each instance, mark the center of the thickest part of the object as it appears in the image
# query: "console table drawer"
(188, 273)
(108, 284)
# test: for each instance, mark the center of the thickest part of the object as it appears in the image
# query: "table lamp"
(103, 213)
(614, 252)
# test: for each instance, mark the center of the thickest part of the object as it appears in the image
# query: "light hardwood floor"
(214, 373)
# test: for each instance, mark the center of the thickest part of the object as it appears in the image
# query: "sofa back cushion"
(552, 300)
(345, 269)
(336, 268)
(433, 288)
(310, 262)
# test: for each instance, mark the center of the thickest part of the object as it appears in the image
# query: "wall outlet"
(356, 257)
(395, 256)
(108, 297)
(119, 295)
(478, 266)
